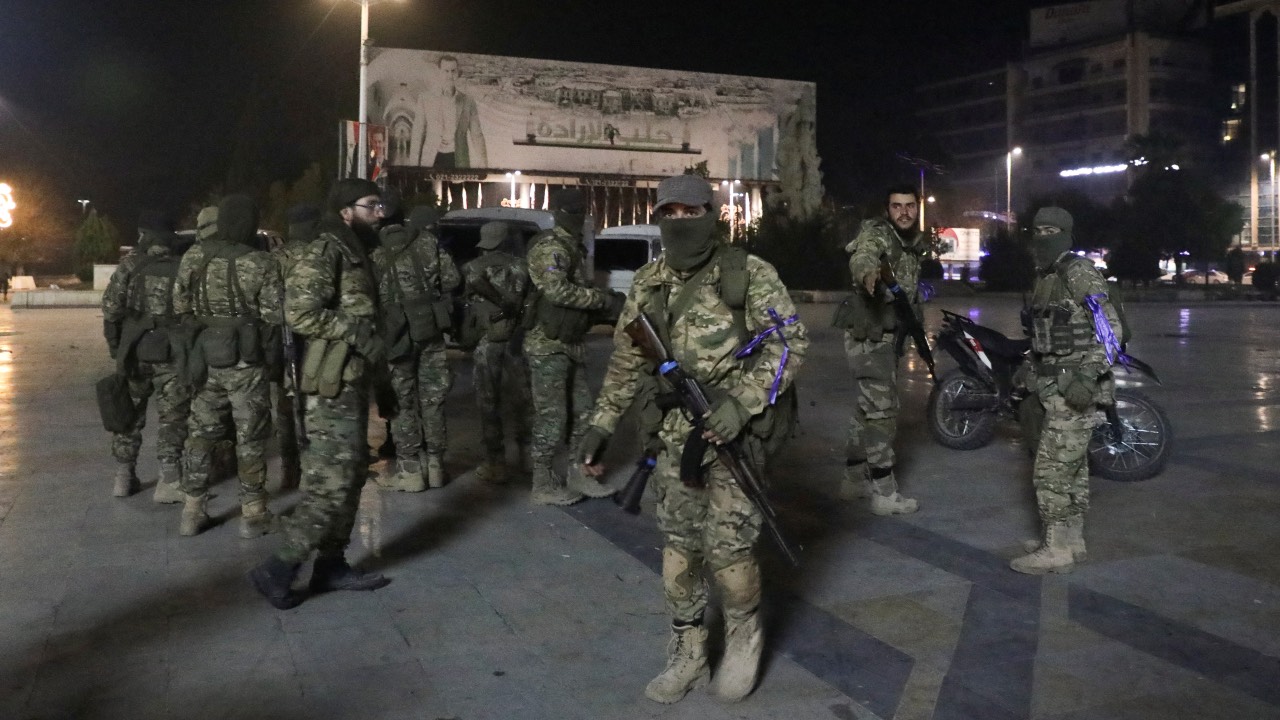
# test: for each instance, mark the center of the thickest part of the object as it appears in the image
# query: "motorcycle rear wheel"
(1144, 446)
(967, 428)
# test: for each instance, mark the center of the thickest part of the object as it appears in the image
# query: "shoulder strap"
(733, 286)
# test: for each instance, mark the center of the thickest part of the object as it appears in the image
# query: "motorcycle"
(1131, 442)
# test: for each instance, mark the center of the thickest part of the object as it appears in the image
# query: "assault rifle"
(908, 321)
(696, 407)
(293, 365)
(629, 498)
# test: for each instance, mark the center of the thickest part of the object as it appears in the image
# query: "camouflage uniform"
(1065, 350)
(413, 274)
(138, 301)
(869, 345)
(496, 362)
(231, 291)
(557, 370)
(331, 294)
(302, 230)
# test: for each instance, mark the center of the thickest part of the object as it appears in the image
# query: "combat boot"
(885, 498)
(331, 572)
(407, 478)
(195, 515)
(855, 485)
(744, 640)
(126, 481)
(549, 488)
(687, 667)
(167, 490)
(256, 519)
(436, 476)
(273, 579)
(1053, 555)
(1075, 538)
(493, 470)
(579, 482)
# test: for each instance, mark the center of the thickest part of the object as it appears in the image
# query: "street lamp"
(362, 119)
(512, 176)
(926, 201)
(732, 214)
(1008, 186)
(84, 206)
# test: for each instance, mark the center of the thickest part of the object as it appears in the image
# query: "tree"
(801, 193)
(808, 254)
(96, 241)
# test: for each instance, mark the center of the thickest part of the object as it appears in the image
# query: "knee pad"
(681, 574)
(740, 587)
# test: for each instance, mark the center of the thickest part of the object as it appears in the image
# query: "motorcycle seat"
(996, 343)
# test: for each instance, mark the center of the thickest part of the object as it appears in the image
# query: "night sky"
(139, 102)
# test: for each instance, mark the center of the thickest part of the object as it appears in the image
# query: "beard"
(367, 232)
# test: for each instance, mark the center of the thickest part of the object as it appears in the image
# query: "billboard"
(1078, 21)
(454, 111)
(349, 149)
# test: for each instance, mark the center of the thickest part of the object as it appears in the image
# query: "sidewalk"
(499, 609)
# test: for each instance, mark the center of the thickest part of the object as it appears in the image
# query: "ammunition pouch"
(864, 318)
(479, 316)
(1053, 332)
(115, 404)
(226, 341)
(568, 325)
(322, 367)
(153, 346)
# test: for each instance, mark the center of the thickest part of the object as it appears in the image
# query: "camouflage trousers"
(561, 403)
(1061, 474)
(334, 471)
(501, 375)
(874, 423)
(244, 392)
(716, 526)
(421, 385)
(173, 403)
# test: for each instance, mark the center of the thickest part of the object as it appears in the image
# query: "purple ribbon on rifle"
(778, 325)
(1102, 328)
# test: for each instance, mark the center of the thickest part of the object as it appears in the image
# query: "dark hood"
(237, 220)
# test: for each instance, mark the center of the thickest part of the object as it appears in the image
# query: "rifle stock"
(293, 358)
(694, 400)
(633, 491)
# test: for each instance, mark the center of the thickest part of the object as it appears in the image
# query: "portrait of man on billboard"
(446, 131)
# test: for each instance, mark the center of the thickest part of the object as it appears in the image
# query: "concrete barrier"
(30, 299)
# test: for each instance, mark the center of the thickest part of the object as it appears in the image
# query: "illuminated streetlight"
(84, 205)
(1008, 186)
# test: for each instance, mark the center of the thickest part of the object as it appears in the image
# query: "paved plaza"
(502, 610)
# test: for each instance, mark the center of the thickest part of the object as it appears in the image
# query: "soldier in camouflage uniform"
(229, 293)
(496, 283)
(869, 322)
(562, 309)
(303, 219)
(714, 527)
(331, 300)
(137, 314)
(1071, 377)
(416, 281)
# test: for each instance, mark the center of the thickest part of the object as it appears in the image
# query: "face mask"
(1047, 248)
(687, 242)
(571, 221)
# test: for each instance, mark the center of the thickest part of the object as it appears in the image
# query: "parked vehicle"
(459, 230)
(1132, 441)
(621, 251)
(1195, 277)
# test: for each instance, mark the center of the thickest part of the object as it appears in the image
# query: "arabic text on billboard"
(454, 110)
(1077, 22)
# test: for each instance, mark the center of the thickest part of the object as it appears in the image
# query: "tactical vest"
(484, 314)
(147, 326)
(422, 316)
(777, 423)
(568, 325)
(227, 339)
(1060, 324)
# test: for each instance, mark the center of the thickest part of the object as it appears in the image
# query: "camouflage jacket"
(1059, 313)
(507, 276)
(413, 268)
(287, 255)
(252, 289)
(141, 287)
(704, 340)
(558, 270)
(331, 291)
(878, 237)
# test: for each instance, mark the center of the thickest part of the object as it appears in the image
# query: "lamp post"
(1270, 158)
(362, 119)
(512, 177)
(1008, 186)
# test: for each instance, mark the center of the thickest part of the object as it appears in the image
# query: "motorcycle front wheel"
(962, 411)
(1141, 448)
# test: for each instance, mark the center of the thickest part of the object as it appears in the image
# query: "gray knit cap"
(1054, 216)
(689, 190)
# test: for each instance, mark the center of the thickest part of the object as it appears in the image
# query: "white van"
(621, 251)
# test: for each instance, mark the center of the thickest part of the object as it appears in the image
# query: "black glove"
(1079, 388)
(591, 448)
(367, 343)
(727, 419)
(612, 310)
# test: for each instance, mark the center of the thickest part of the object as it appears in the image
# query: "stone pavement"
(499, 609)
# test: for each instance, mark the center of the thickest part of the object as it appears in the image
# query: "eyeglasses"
(371, 207)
